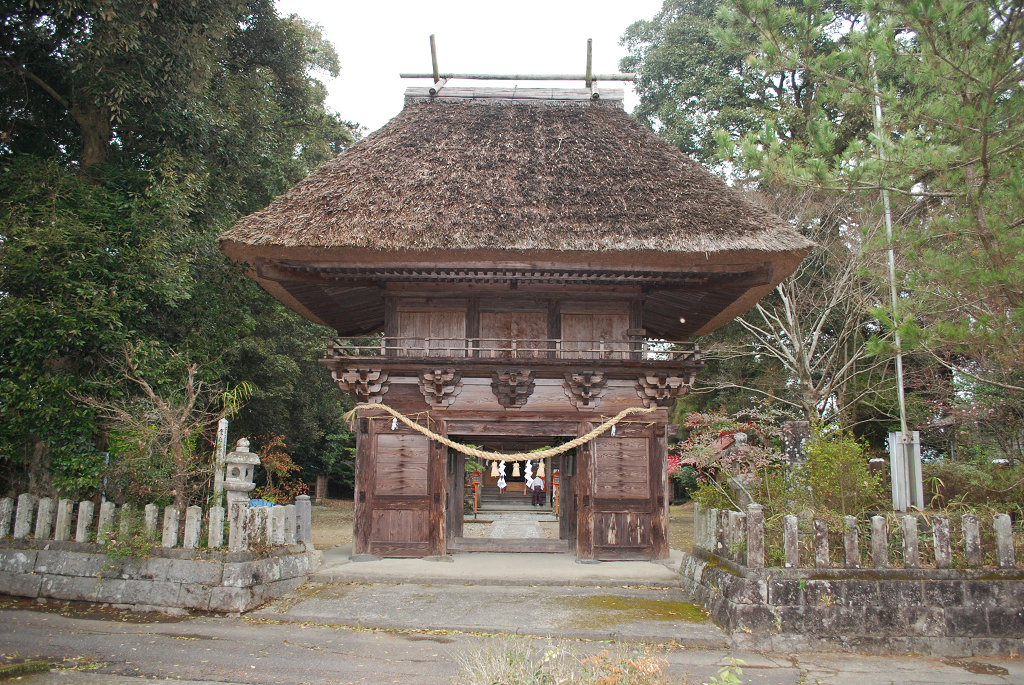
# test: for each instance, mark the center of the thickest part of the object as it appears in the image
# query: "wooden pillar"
(473, 324)
(391, 322)
(456, 491)
(554, 325)
(567, 501)
(659, 491)
(437, 476)
(365, 460)
(584, 496)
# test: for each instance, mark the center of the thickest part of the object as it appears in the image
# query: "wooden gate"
(400, 482)
(621, 492)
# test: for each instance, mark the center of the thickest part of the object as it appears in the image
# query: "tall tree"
(131, 134)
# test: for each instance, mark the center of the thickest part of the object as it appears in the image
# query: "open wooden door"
(624, 512)
(400, 488)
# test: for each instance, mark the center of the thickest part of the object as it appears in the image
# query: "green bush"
(837, 472)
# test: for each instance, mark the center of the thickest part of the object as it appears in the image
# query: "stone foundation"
(168, 580)
(893, 611)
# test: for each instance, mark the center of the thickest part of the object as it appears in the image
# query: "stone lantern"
(241, 466)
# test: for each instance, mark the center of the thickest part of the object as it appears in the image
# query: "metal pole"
(883, 155)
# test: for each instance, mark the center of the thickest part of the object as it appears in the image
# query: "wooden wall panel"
(401, 467)
(622, 529)
(399, 525)
(446, 330)
(621, 469)
(514, 325)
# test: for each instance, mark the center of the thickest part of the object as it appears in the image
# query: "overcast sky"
(376, 41)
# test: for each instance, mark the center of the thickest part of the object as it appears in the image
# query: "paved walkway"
(593, 613)
(517, 525)
(124, 649)
(481, 568)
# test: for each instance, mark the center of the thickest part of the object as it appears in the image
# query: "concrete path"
(518, 525)
(482, 568)
(594, 613)
(111, 647)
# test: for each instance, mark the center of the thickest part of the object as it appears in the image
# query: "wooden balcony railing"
(512, 348)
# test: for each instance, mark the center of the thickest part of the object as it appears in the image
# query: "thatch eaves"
(458, 173)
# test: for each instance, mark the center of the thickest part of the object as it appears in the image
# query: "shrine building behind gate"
(512, 267)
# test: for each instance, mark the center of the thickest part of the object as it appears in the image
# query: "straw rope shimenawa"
(498, 456)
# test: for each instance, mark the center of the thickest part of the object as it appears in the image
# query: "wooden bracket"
(440, 387)
(367, 384)
(584, 389)
(662, 389)
(513, 387)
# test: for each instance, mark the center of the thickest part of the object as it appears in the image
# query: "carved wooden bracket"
(368, 385)
(440, 386)
(584, 389)
(662, 389)
(512, 387)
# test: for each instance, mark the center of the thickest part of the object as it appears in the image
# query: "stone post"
(257, 524)
(125, 523)
(170, 536)
(721, 532)
(821, 556)
(193, 527)
(940, 536)
(851, 542)
(879, 542)
(740, 538)
(731, 535)
(65, 509)
(44, 519)
(152, 513)
(911, 556)
(85, 510)
(790, 543)
(755, 536)
(697, 525)
(303, 519)
(6, 512)
(1006, 555)
(237, 538)
(972, 540)
(277, 524)
(215, 537)
(106, 521)
(23, 517)
(289, 524)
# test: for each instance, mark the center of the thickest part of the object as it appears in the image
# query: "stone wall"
(171, 580)
(927, 607)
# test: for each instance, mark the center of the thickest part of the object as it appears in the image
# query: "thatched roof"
(536, 183)
(464, 173)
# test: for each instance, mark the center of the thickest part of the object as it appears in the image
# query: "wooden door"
(498, 330)
(444, 329)
(400, 486)
(583, 333)
(627, 515)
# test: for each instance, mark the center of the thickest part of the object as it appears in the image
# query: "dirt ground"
(332, 525)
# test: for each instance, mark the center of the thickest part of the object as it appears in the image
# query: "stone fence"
(942, 604)
(269, 552)
(49, 519)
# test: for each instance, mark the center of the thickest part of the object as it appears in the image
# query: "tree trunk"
(95, 124)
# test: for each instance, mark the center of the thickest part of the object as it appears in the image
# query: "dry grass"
(680, 527)
(332, 523)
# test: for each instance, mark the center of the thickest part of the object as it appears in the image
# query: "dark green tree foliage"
(131, 134)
